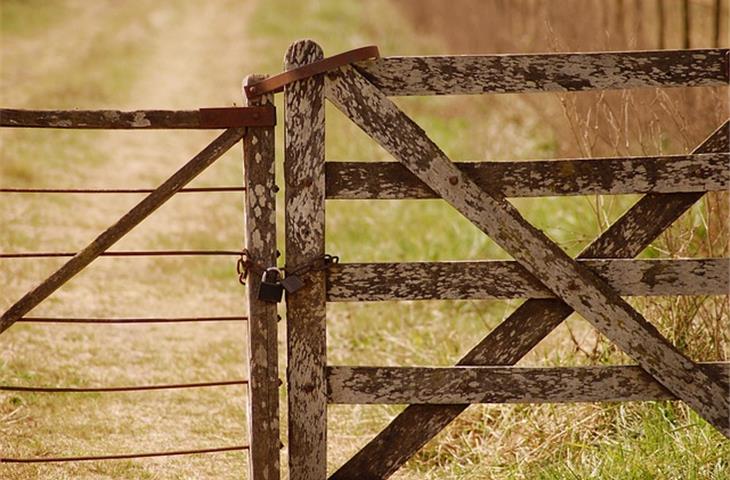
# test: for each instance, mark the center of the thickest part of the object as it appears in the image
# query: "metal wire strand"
(134, 388)
(123, 456)
(130, 320)
(128, 253)
(118, 190)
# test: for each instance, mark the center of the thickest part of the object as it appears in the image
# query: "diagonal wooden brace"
(576, 285)
(523, 329)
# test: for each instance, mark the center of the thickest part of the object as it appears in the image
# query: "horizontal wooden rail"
(551, 72)
(597, 176)
(204, 118)
(362, 282)
(462, 385)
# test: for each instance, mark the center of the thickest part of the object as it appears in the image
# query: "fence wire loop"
(242, 266)
(325, 262)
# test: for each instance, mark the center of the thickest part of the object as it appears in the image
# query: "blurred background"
(186, 54)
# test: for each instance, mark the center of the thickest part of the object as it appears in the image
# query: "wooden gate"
(254, 125)
(555, 284)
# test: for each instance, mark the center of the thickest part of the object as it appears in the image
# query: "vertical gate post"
(306, 312)
(260, 213)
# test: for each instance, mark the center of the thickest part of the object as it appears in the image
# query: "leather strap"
(276, 83)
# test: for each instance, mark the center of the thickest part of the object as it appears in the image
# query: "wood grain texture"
(367, 282)
(597, 176)
(110, 236)
(304, 220)
(459, 385)
(552, 72)
(263, 362)
(519, 333)
(364, 102)
(139, 119)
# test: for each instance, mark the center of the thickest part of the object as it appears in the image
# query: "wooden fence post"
(306, 312)
(263, 386)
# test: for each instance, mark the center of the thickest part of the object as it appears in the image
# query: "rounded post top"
(301, 53)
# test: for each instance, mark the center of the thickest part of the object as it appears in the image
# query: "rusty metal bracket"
(231, 117)
(276, 83)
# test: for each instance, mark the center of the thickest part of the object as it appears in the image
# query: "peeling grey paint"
(304, 219)
(536, 318)
(367, 282)
(460, 385)
(263, 361)
(596, 176)
(554, 72)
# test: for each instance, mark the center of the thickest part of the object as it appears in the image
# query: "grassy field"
(187, 54)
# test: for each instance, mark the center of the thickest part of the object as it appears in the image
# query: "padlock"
(270, 290)
(292, 283)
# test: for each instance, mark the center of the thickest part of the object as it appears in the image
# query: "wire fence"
(205, 118)
(131, 320)
(123, 456)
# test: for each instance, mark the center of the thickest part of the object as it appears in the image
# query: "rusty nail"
(276, 188)
(453, 180)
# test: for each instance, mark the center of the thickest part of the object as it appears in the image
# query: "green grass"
(28, 17)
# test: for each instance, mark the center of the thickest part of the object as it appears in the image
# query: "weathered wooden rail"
(556, 285)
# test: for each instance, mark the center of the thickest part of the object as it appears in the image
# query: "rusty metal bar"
(123, 456)
(127, 253)
(134, 388)
(118, 190)
(130, 320)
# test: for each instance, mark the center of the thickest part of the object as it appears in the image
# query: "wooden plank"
(460, 385)
(367, 282)
(575, 284)
(551, 72)
(306, 325)
(523, 329)
(205, 118)
(263, 362)
(598, 176)
(131, 219)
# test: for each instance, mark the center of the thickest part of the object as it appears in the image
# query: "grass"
(182, 54)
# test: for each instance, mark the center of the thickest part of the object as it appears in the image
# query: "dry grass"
(190, 54)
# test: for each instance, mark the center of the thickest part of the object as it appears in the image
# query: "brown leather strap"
(277, 82)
